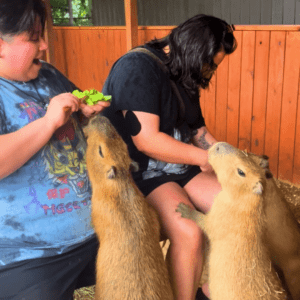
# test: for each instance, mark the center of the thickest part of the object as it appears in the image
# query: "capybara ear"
(112, 172)
(258, 188)
(86, 131)
(269, 174)
(134, 166)
(264, 163)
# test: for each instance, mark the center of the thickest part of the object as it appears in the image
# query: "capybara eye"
(100, 152)
(241, 173)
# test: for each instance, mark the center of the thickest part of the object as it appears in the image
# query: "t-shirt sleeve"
(135, 84)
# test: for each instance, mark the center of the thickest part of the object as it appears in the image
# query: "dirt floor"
(292, 195)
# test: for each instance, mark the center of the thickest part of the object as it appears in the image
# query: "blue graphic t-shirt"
(44, 205)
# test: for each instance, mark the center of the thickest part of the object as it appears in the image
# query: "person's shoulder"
(48, 69)
(137, 64)
(53, 76)
(136, 59)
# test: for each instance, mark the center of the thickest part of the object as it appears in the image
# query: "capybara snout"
(235, 169)
(102, 137)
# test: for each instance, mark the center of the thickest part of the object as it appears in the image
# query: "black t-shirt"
(137, 83)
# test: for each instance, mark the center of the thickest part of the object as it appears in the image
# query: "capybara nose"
(222, 148)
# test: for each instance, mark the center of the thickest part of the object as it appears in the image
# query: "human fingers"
(92, 110)
(60, 108)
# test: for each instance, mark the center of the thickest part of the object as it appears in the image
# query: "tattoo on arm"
(203, 143)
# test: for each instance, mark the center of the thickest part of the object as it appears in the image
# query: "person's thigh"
(202, 190)
(165, 200)
(49, 278)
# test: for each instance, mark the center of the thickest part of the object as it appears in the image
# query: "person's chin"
(34, 72)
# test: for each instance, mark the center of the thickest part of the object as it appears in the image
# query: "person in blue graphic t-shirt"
(47, 244)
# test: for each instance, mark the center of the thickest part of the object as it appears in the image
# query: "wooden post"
(131, 23)
(49, 34)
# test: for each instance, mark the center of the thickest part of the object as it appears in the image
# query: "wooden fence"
(252, 102)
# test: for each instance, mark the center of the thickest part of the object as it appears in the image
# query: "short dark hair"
(193, 44)
(18, 16)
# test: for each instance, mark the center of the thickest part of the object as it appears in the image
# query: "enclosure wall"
(253, 99)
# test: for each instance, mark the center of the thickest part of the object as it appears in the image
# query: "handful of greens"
(91, 97)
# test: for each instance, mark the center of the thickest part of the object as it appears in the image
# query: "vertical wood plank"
(131, 23)
(247, 74)
(289, 106)
(296, 167)
(49, 35)
(74, 56)
(276, 65)
(60, 53)
(221, 100)
(234, 80)
(262, 45)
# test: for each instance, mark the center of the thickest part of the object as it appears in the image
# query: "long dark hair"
(193, 45)
(18, 16)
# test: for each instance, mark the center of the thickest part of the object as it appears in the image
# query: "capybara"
(240, 267)
(130, 263)
(282, 236)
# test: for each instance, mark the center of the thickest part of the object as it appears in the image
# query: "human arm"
(203, 138)
(161, 146)
(18, 147)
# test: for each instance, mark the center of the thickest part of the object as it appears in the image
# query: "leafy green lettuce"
(93, 96)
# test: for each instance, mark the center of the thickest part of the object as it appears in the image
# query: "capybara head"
(236, 170)
(107, 154)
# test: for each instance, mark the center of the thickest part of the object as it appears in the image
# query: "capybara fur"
(239, 262)
(282, 236)
(130, 263)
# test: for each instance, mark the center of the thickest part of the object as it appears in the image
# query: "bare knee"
(187, 235)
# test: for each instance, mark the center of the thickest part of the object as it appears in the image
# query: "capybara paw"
(185, 210)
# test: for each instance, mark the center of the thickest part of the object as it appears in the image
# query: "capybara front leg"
(192, 214)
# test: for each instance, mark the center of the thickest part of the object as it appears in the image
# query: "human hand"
(60, 108)
(92, 110)
(204, 164)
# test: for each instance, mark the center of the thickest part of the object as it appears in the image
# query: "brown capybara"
(239, 263)
(282, 234)
(130, 263)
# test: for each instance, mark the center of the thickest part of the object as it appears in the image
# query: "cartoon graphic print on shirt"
(64, 157)
(31, 111)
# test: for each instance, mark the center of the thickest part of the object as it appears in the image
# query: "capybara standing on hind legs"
(130, 263)
(239, 262)
(282, 235)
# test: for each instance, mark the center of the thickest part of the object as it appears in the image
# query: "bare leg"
(184, 258)
(202, 190)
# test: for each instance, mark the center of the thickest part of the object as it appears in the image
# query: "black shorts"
(47, 278)
(148, 185)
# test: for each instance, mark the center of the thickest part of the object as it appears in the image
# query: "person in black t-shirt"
(169, 142)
